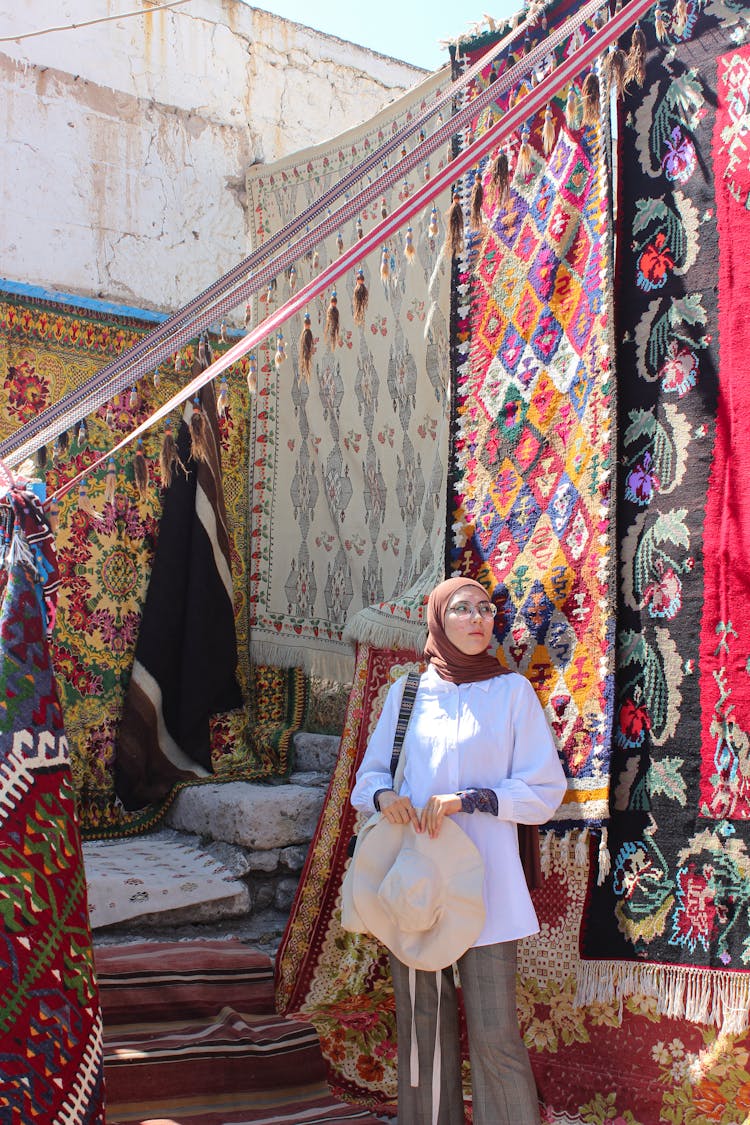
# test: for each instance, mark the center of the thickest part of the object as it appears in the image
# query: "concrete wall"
(125, 143)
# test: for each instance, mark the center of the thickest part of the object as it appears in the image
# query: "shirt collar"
(439, 684)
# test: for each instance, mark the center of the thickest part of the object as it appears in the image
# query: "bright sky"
(405, 29)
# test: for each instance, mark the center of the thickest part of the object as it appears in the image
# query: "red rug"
(192, 1038)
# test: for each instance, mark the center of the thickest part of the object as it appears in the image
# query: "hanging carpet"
(674, 917)
(348, 471)
(47, 349)
(186, 653)
(50, 1020)
(530, 475)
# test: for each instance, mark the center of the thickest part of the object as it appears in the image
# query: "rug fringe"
(372, 628)
(574, 844)
(706, 996)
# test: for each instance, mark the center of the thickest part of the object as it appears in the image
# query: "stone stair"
(256, 834)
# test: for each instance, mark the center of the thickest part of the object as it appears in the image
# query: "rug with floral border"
(46, 349)
(609, 1061)
(674, 916)
(530, 497)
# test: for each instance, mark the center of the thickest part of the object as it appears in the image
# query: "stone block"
(293, 858)
(316, 752)
(255, 816)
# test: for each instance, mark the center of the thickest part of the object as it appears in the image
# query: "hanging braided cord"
(231, 290)
(514, 117)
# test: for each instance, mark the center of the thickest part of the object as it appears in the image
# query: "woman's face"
(468, 631)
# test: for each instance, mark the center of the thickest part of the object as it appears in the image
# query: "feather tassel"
(409, 251)
(169, 458)
(332, 331)
(84, 501)
(477, 199)
(433, 229)
(500, 177)
(659, 24)
(306, 348)
(525, 166)
(199, 446)
(383, 208)
(454, 238)
(133, 398)
(157, 379)
(40, 458)
(679, 17)
(252, 375)
(83, 434)
(62, 441)
(385, 266)
(360, 299)
(179, 362)
(292, 278)
(222, 400)
(617, 64)
(280, 356)
(140, 470)
(110, 482)
(590, 97)
(223, 332)
(248, 313)
(636, 64)
(549, 132)
(571, 108)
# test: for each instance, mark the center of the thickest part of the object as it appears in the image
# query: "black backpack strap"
(407, 703)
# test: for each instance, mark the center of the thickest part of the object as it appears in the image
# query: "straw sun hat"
(421, 897)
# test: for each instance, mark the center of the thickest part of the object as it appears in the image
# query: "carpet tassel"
(360, 299)
(252, 375)
(110, 482)
(222, 399)
(84, 502)
(500, 177)
(477, 199)
(616, 64)
(199, 447)
(636, 64)
(280, 356)
(332, 331)
(679, 17)
(549, 132)
(385, 266)
(590, 98)
(454, 237)
(605, 860)
(409, 251)
(306, 348)
(525, 165)
(169, 458)
(433, 229)
(659, 24)
(571, 108)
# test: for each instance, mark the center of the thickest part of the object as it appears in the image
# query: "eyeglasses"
(465, 609)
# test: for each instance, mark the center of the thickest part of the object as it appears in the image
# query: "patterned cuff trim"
(478, 800)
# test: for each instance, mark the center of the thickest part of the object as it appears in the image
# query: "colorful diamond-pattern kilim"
(532, 437)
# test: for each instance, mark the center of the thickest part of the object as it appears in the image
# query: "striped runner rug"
(192, 1038)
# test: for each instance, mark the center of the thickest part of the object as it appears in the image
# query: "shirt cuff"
(376, 797)
(478, 800)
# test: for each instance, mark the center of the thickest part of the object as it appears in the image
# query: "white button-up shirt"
(487, 735)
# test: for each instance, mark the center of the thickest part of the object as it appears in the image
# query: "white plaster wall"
(124, 144)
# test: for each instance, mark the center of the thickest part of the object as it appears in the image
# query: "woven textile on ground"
(191, 1037)
(347, 478)
(679, 893)
(50, 1021)
(46, 350)
(530, 477)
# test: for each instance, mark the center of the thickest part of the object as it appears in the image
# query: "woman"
(478, 749)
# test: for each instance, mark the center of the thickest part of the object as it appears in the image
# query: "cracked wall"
(126, 143)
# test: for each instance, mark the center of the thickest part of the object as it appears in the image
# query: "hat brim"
(462, 883)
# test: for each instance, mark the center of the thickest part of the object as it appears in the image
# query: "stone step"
(315, 752)
(260, 817)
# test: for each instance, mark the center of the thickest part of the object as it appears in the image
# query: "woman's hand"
(398, 810)
(438, 807)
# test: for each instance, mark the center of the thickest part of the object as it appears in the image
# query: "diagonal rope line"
(525, 107)
(230, 290)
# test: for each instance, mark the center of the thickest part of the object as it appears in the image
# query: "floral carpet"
(679, 893)
(46, 349)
